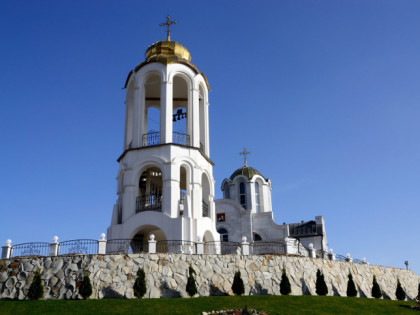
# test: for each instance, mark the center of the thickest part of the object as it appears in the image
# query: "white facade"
(246, 210)
(165, 182)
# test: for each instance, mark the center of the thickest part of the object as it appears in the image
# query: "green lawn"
(269, 304)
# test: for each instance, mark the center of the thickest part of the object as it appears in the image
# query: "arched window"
(180, 109)
(150, 190)
(224, 236)
(242, 194)
(226, 191)
(257, 198)
(205, 186)
(257, 237)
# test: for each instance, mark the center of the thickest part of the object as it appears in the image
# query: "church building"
(165, 182)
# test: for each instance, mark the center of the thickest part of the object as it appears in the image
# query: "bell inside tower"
(180, 117)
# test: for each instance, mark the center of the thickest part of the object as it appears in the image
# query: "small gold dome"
(167, 52)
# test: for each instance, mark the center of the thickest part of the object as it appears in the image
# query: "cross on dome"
(168, 24)
(245, 154)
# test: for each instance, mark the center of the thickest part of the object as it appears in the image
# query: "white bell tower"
(165, 179)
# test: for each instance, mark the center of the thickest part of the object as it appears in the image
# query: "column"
(166, 109)
(195, 141)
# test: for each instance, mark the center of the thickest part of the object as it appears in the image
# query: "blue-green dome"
(246, 171)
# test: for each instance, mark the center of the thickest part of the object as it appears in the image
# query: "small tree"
(418, 293)
(285, 283)
(238, 284)
(85, 288)
(399, 292)
(351, 287)
(140, 284)
(191, 286)
(321, 286)
(36, 290)
(376, 289)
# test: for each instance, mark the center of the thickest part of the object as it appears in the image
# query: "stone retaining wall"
(113, 276)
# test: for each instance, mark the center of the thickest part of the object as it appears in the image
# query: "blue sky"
(325, 94)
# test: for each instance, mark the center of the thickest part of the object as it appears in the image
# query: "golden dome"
(167, 52)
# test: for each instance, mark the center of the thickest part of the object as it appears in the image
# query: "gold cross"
(244, 154)
(168, 24)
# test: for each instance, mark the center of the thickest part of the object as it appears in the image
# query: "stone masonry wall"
(113, 276)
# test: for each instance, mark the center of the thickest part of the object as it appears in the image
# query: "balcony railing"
(180, 138)
(149, 203)
(153, 138)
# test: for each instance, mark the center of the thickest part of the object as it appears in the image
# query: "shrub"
(36, 290)
(85, 288)
(285, 283)
(191, 286)
(351, 287)
(238, 284)
(321, 286)
(140, 284)
(376, 289)
(400, 293)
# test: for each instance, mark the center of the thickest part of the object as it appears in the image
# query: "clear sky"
(325, 94)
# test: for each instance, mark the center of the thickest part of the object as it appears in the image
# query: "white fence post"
(348, 258)
(289, 249)
(6, 251)
(54, 246)
(245, 246)
(331, 255)
(199, 250)
(102, 245)
(312, 251)
(152, 244)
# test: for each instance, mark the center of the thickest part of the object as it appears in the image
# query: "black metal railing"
(262, 248)
(340, 257)
(31, 249)
(126, 246)
(82, 246)
(151, 138)
(205, 209)
(149, 203)
(180, 138)
(220, 247)
(186, 247)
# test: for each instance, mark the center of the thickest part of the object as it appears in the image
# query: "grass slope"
(270, 304)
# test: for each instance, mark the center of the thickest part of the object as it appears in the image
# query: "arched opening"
(140, 241)
(180, 111)
(242, 194)
(224, 235)
(202, 115)
(183, 184)
(151, 122)
(257, 198)
(256, 237)
(129, 116)
(226, 191)
(150, 190)
(205, 190)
